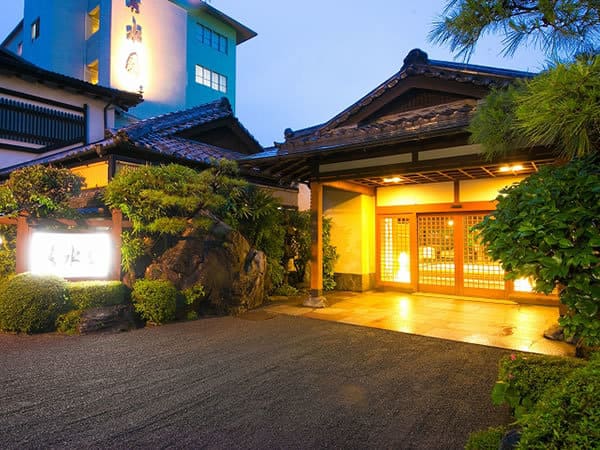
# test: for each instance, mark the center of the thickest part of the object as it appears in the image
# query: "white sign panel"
(70, 255)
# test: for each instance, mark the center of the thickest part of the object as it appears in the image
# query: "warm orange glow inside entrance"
(450, 256)
(395, 251)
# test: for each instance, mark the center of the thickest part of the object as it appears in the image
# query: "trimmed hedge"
(155, 300)
(568, 415)
(522, 380)
(31, 303)
(92, 294)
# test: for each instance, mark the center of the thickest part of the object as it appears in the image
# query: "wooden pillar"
(316, 299)
(116, 229)
(22, 251)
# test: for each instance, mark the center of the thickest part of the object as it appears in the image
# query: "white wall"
(96, 107)
(161, 54)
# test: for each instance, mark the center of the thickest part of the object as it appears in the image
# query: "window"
(20, 48)
(91, 72)
(92, 24)
(211, 79)
(212, 38)
(35, 29)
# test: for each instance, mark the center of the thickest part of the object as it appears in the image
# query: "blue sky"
(313, 58)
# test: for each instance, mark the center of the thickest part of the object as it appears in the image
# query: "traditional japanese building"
(194, 137)
(178, 53)
(401, 181)
(43, 113)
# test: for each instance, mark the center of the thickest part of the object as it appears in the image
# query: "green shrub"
(330, 256)
(285, 290)
(568, 415)
(486, 439)
(31, 304)
(194, 295)
(155, 300)
(191, 302)
(68, 323)
(91, 294)
(8, 246)
(522, 380)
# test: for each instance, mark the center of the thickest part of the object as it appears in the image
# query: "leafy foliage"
(194, 297)
(547, 228)
(495, 123)
(163, 201)
(486, 439)
(562, 27)
(132, 248)
(8, 246)
(155, 300)
(258, 216)
(68, 323)
(92, 294)
(40, 191)
(158, 199)
(297, 242)
(522, 380)
(330, 256)
(558, 108)
(31, 304)
(568, 415)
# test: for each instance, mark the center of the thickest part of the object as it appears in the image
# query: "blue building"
(178, 53)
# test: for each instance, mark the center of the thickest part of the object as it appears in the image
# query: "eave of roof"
(16, 30)
(13, 64)
(243, 33)
(156, 136)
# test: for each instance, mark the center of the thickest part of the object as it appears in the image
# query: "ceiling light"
(514, 168)
(392, 180)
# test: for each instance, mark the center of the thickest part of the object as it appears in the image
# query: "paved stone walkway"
(478, 321)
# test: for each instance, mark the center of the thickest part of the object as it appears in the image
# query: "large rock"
(233, 274)
(107, 318)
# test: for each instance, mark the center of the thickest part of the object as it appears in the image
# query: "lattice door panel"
(436, 250)
(395, 249)
(480, 271)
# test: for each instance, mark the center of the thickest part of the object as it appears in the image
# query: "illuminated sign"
(134, 49)
(70, 255)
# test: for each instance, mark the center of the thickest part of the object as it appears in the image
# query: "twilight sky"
(313, 58)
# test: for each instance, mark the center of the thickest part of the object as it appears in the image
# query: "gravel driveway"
(286, 382)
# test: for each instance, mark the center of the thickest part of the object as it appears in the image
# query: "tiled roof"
(15, 65)
(158, 135)
(416, 63)
(405, 126)
(187, 149)
(174, 122)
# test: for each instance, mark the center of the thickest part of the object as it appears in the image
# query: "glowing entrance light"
(70, 255)
(392, 180)
(524, 285)
(513, 169)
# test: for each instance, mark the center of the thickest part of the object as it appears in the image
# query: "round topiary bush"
(155, 300)
(31, 303)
